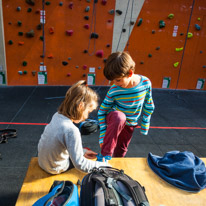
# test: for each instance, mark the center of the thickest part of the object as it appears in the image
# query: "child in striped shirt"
(127, 99)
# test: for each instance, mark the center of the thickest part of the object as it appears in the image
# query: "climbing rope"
(93, 19)
(185, 44)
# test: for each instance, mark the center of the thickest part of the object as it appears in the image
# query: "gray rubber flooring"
(174, 125)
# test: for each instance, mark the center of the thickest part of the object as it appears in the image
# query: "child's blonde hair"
(118, 65)
(76, 94)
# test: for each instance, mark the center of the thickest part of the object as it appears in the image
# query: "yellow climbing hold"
(189, 35)
(179, 49)
(176, 64)
(198, 18)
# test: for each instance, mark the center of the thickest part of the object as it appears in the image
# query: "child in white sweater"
(60, 147)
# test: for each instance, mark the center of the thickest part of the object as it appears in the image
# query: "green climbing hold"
(20, 33)
(179, 49)
(47, 3)
(141, 62)
(19, 23)
(10, 42)
(161, 24)
(149, 55)
(170, 16)
(139, 22)
(24, 63)
(29, 9)
(25, 72)
(176, 64)
(189, 35)
(41, 38)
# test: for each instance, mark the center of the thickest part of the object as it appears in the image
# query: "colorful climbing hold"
(139, 22)
(94, 35)
(21, 43)
(69, 58)
(181, 34)
(50, 56)
(41, 38)
(33, 73)
(105, 60)
(86, 17)
(149, 55)
(77, 67)
(60, 3)
(170, 16)
(87, 9)
(10, 42)
(153, 31)
(179, 49)
(30, 2)
(201, 52)
(111, 11)
(39, 27)
(161, 24)
(51, 30)
(84, 67)
(189, 35)
(157, 48)
(85, 51)
(198, 19)
(204, 66)
(131, 22)
(176, 64)
(104, 2)
(20, 72)
(99, 67)
(30, 33)
(197, 27)
(118, 11)
(69, 32)
(24, 72)
(19, 23)
(71, 5)
(47, 3)
(18, 8)
(68, 74)
(29, 10)
(86, 26)
(24, 63)
(123, 30)
(64, 63)
(100, 53)
(108, 45)
(20, 33)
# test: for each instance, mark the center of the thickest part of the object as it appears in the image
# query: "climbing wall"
(165, 38)
(77, 39)
(162, 49)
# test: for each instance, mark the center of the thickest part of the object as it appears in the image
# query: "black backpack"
(110, 186)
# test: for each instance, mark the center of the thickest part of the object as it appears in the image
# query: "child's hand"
(89, 154)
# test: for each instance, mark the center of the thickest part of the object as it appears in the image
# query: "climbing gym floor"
(178, 123)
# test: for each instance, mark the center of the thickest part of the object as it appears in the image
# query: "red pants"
(118, 135)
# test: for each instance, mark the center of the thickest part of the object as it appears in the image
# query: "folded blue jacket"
(181, 169)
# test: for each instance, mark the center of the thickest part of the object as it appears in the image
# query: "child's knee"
(119, 116)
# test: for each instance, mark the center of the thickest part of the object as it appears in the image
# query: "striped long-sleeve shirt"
(132, 102)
